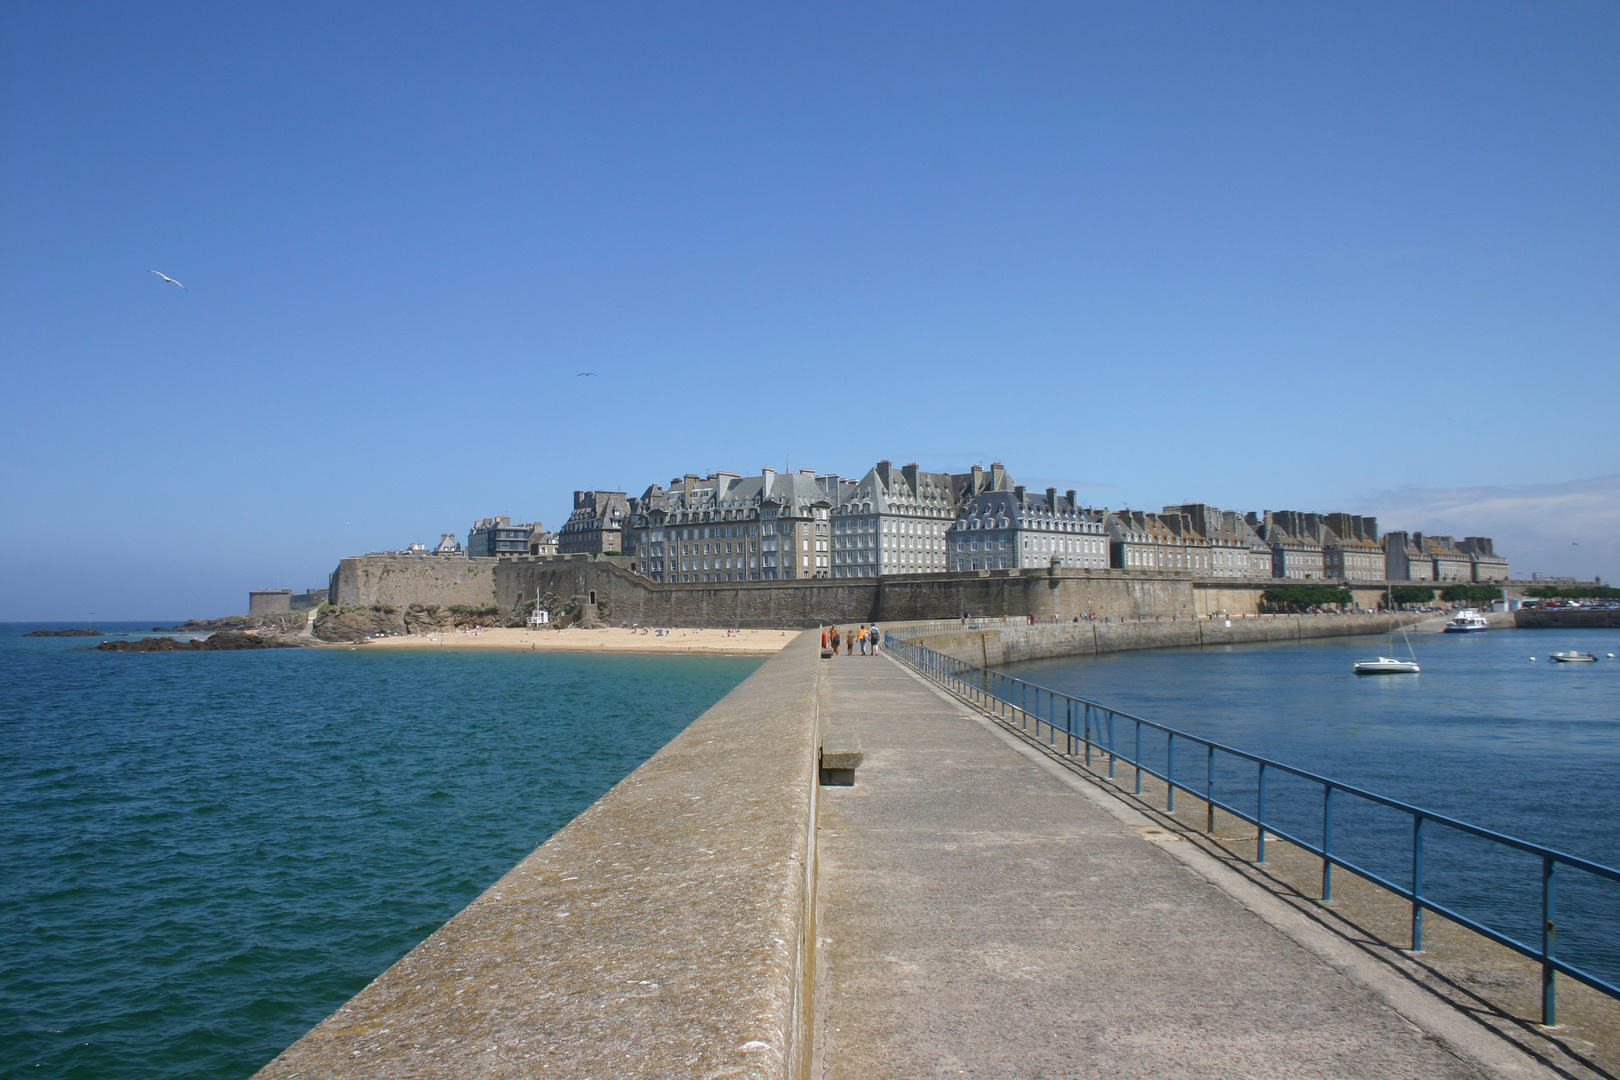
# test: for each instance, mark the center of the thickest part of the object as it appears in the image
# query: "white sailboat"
(1388, 665)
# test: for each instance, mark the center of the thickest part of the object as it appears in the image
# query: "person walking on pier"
(835, 640)
(874, 637)
(849, 644)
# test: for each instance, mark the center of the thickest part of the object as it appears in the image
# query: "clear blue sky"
(1287, 255)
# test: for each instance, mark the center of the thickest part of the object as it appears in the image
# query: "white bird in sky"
(165, 277)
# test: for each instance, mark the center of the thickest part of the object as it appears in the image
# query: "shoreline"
(607, 639)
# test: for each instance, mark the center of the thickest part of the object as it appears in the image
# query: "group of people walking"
(867, 637)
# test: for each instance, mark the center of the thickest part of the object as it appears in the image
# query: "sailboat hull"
(1386, 666)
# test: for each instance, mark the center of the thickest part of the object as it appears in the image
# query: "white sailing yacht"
(1388, 665)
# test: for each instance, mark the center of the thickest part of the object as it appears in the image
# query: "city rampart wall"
(398, 581)
(627, 597)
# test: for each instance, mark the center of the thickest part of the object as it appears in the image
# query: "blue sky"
(1358, 257)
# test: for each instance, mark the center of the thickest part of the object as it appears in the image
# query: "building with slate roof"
(1000, 529)
(596, 524)
(1230, 546)
(728, 527)
(493, 537)
(1488, 565)
(891, 521)
(1296, 542)
(1351, 551)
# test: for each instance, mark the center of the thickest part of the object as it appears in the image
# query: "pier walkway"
(981, 917)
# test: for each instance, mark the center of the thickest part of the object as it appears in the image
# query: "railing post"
(1327, 843)
(1139, 757)
(1170, 774)
(1111, 754)
(1209, 794)
(1549, 934)
(1260, 818)
(1088, 733)
(1417, 882)
(1068, 726)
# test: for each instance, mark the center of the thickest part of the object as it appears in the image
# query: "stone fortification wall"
(399, 581)
(269, 601)
(1010, 644)
(627, 597)
(623, 596)
(667, 931)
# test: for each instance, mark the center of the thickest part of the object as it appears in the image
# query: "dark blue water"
(1483, 734)
(203, 854)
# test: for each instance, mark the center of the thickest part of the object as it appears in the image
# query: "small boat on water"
(1467, 621)
(1385, 665)
(1388, 665)
(1573, 657)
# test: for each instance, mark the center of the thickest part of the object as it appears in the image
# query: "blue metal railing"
(1088, 725)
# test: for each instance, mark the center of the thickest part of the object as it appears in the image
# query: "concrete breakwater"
(992, 646)
(666, 931)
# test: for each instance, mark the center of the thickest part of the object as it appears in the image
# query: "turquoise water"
(1484, 734)
(204, 854)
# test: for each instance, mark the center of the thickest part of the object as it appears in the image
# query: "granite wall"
(398, 581)
(622, 596)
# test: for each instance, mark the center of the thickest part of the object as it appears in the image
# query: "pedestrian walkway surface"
(980, 918)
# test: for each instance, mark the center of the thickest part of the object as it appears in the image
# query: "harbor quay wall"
(993, 646)
(668, 931)
(1567, 618)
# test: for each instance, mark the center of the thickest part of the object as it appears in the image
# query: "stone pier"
(969, 906)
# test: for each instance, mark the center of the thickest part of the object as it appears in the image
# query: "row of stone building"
(778, 526)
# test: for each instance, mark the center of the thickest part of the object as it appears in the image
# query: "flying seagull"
(165, 277)
(581, 375)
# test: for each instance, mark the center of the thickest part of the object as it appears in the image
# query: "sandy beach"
(612, 639)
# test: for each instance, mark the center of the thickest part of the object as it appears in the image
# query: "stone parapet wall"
(668, 931)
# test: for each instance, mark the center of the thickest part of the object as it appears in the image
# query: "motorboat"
(1572, 657)
(1385, 665)
(1467, 621)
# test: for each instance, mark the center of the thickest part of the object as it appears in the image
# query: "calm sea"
(1485, 734)
(203, 854)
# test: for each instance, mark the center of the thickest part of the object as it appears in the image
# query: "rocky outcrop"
(281, 622)
(357, 623)
(360, 623)
(224, 640)
(86, 632)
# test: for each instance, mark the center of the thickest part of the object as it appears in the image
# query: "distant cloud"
(1555, 529)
